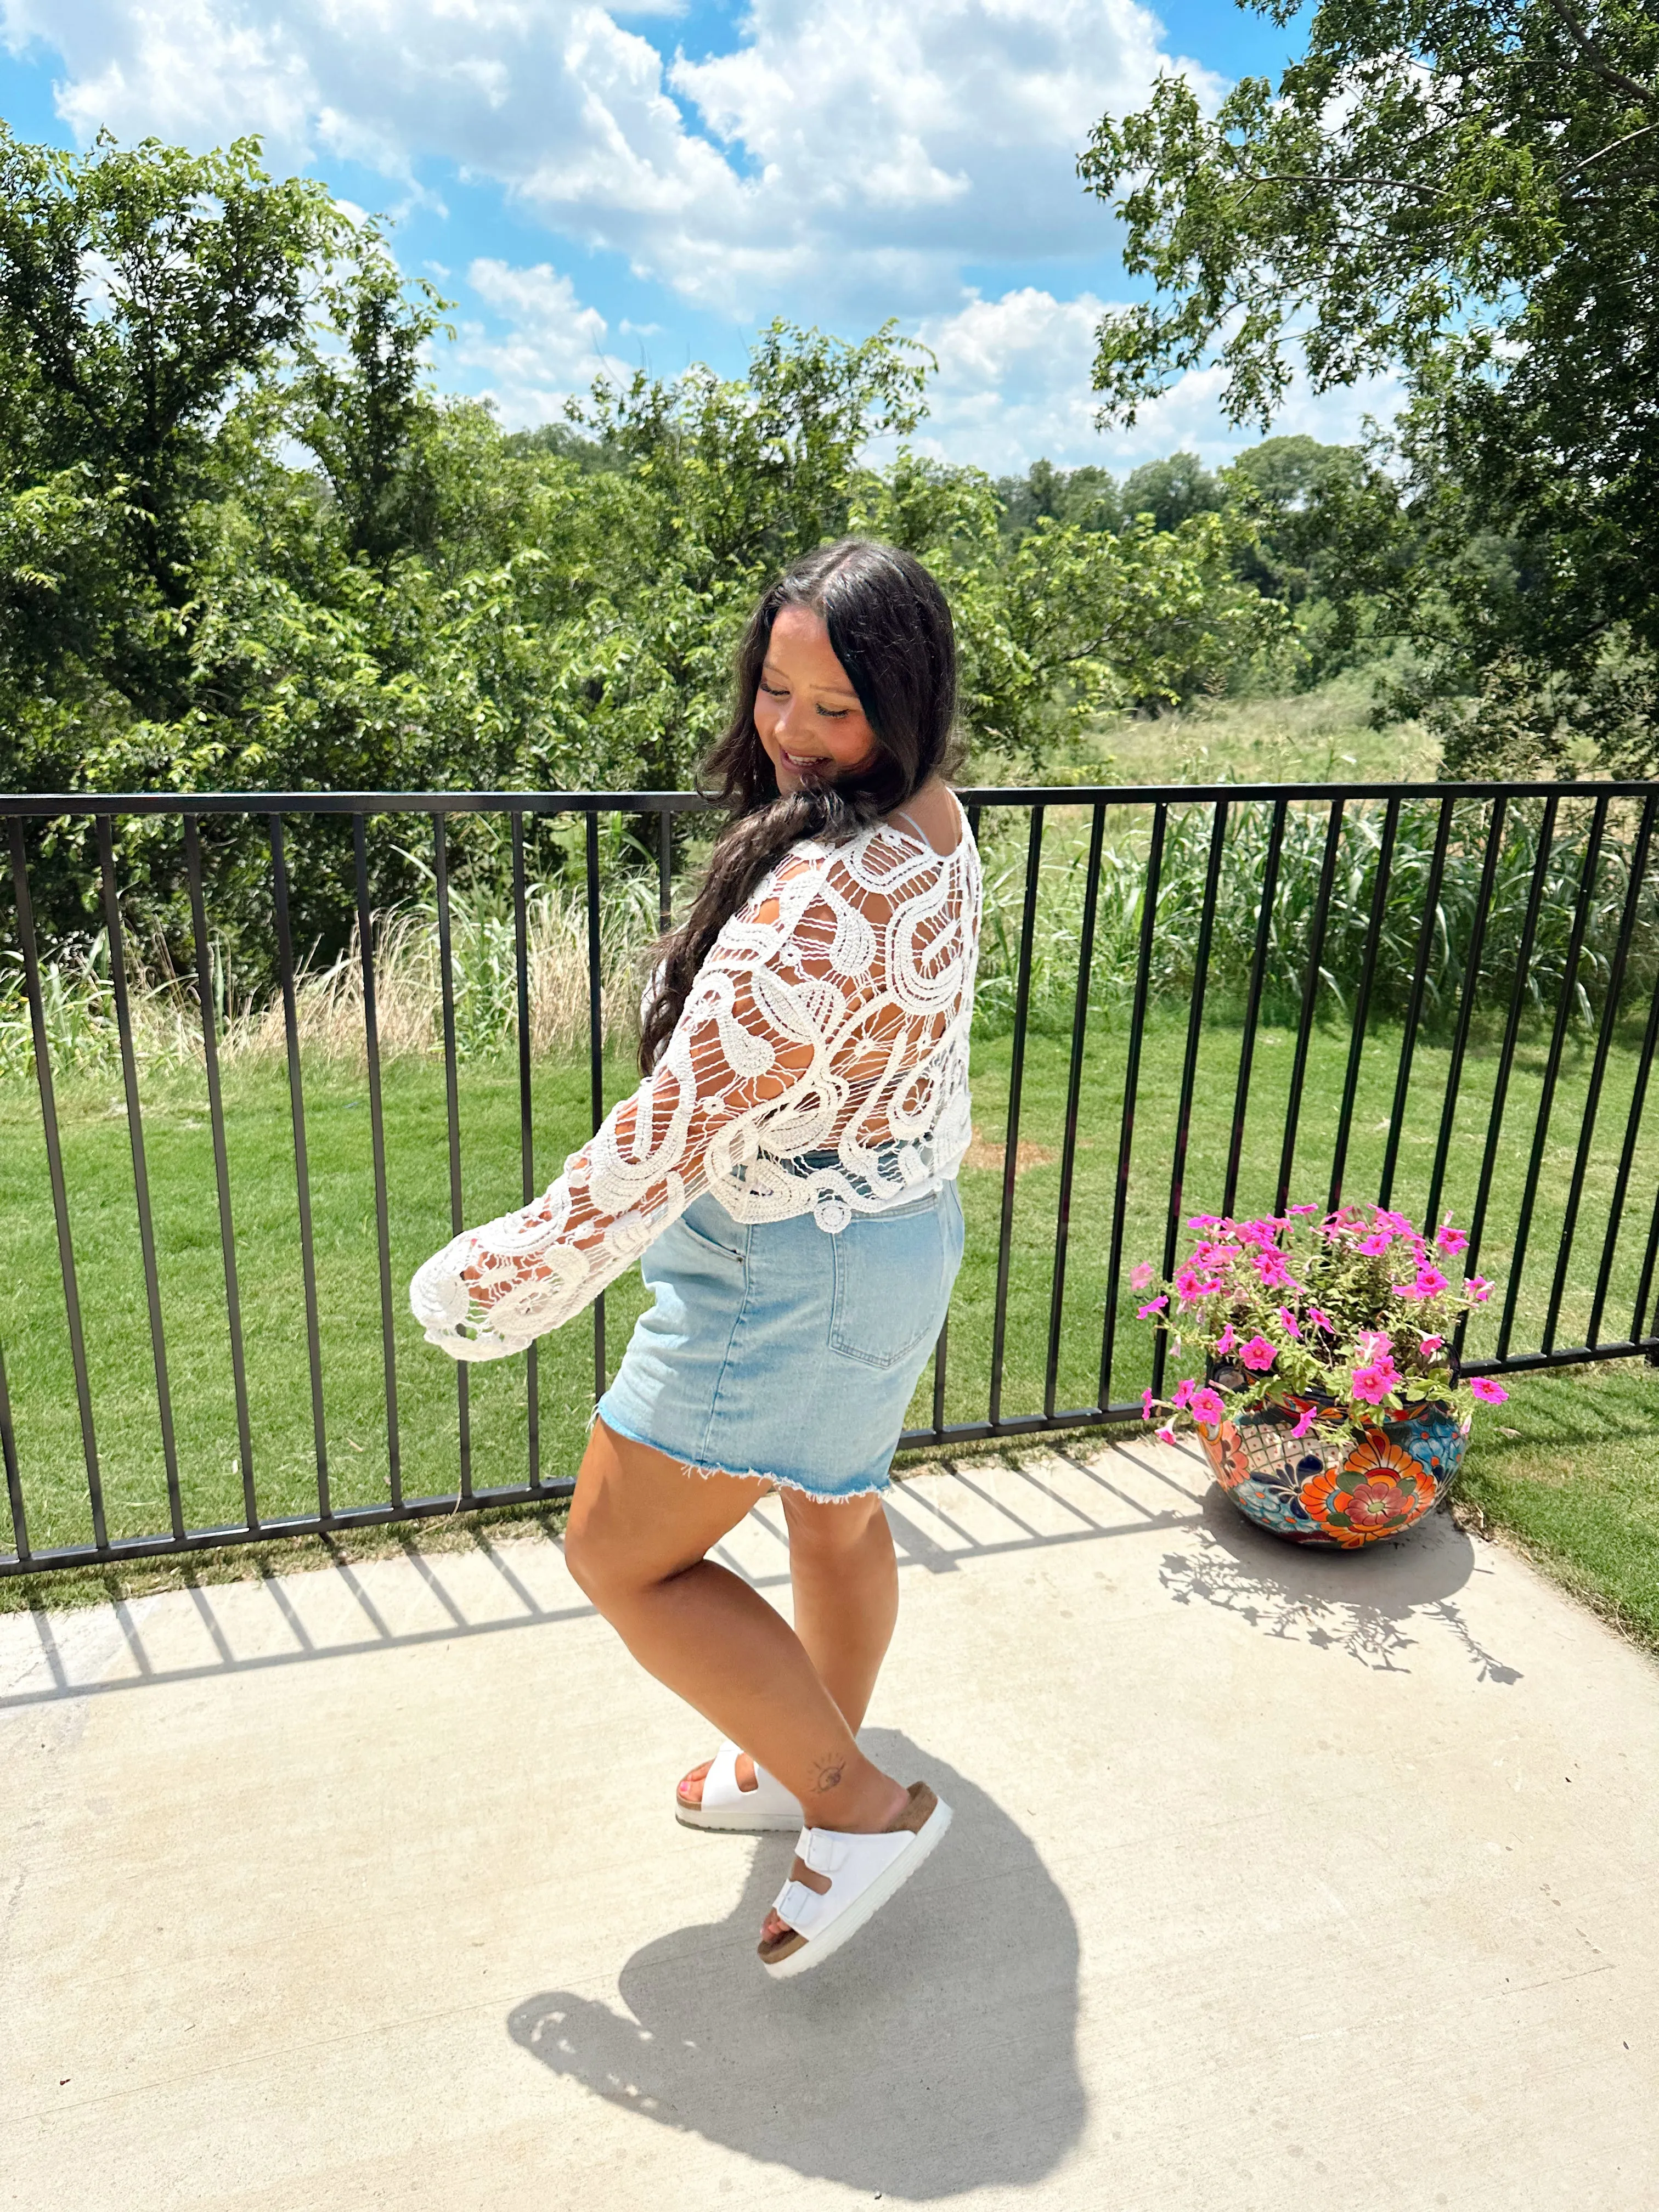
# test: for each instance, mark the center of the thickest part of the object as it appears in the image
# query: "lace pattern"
(819, 1064)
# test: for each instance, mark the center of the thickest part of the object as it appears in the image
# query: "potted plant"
(1329, 1406)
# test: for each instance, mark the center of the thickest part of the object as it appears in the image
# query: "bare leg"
(846, 1586)
(639, 1528)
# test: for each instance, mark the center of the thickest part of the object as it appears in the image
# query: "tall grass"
(79, 996)
(1173, 967)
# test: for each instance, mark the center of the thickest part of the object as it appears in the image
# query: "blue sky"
(605, 187)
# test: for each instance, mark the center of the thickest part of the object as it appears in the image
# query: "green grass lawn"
(99, 1179)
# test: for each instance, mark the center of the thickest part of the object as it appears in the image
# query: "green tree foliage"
(1466, 195)
(245, 544)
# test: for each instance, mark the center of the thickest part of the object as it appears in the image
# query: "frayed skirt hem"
(867, 1486)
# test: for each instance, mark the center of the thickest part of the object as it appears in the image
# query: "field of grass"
(1321, 736)
(1575, 1492)
(177, 1141)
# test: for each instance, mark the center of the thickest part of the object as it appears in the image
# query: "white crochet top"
(819, 1066)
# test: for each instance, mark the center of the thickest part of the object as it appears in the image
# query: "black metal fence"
(1190, 997)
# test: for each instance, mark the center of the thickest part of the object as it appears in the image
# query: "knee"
(832, 1529)
(599, 1560)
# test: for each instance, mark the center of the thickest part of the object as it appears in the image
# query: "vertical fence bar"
(1626, 1161)
(941, 1344)
(19, 1525)
(158, 1350)
(1073, 1101)
(1309, 998)
(1414, 1007)
(595, 1058)
(1131, 1087)
(377, 1139)
(664, 870)
(1362, 1001)
(1016, 1085)
(1598, 1066)
(205, 1000)
(1551, 1070)
(1253, 1004)
(59, 1192)
(301, 1167)
(1638, 1332)
(1506, 1055)
(1469, 991)
(1189, 1070)
(526, 1132)
(453, 1117)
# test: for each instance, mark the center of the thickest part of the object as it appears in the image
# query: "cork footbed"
(914, 1817)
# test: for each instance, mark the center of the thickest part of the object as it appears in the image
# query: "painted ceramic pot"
(1335, 1490)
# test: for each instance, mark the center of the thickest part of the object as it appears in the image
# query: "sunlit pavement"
(1278, 1880)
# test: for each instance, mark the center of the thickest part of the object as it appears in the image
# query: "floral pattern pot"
(1334, 1490)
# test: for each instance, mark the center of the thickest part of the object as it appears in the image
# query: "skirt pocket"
(893, 1274)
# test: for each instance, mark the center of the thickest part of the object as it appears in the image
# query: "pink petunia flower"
(1152, 1306)
(1228, 1341)
(1376, 1245)
(1429, 1345)
(1304, 1209)
(1183, 1391)
(1166, 1435)
(1478, 1289)
(1190, 1285)
(1140, 1274)
(1207, 1405)
(1147, 1402)
(1275, 1275)
(1373, 1383)
(1305, 1423)
(1203, 1221)
(1489, 1393)
(1258, 1353)
(1374, 1343)
(1320, 1318)
(1288, 1322)
(1449, 1239)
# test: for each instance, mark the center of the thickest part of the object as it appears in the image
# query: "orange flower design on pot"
(1378, 1490)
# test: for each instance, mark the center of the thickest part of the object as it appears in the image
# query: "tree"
(1172, 490)
(361, 404)
(139, 290)
(1466, 194)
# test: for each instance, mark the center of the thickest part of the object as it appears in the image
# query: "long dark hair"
(890, 627)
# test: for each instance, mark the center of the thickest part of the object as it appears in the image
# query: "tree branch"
(1598, 61)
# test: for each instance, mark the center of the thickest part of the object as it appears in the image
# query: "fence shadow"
(934, 2057)
(1373, 1605)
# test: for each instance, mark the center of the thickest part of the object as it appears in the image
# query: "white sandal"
(864, 1872)
(760, 1811)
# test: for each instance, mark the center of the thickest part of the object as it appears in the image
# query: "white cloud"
(850, 158)
(553, 346)
(1013, 386)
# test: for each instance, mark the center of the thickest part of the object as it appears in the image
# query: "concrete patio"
(1277, 1882)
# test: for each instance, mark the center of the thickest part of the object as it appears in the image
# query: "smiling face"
(807, 715)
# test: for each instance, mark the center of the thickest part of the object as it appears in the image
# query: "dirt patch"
(980, 1154)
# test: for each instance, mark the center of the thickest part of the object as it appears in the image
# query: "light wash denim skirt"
(781, 1350)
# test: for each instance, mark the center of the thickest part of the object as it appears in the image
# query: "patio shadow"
(934, 2056)
(1373, 1604)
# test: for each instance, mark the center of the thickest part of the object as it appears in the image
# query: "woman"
(785, 1175)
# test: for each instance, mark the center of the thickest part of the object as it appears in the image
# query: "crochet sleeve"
(747, 1063)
